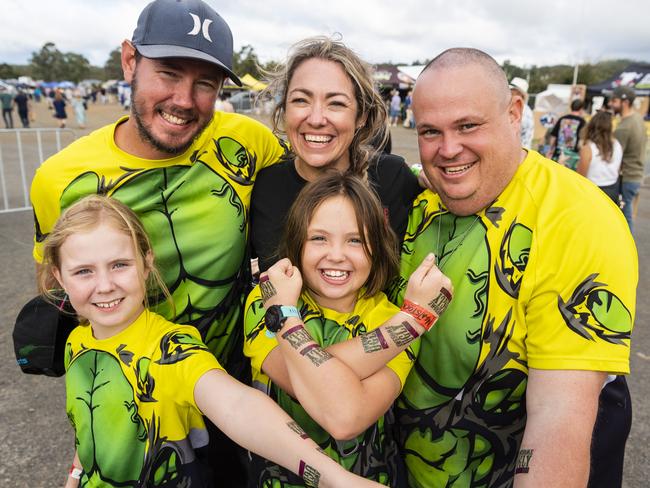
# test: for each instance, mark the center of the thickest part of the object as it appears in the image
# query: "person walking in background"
(519, 86)
(408, 102)
(601, 154)
(79, 107)
(566, 136)
(395, 108)
(59, 108)
(632, 135)
(23, 105)
(7, 101)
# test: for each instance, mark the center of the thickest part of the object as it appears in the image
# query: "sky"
(525, 32)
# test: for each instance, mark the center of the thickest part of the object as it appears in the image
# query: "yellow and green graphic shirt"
(130, 399)
(195, 208)
(372, 454)
(544, 278)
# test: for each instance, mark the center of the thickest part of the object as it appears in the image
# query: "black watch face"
(272, 318)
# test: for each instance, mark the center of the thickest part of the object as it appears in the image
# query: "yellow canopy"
(252, 83)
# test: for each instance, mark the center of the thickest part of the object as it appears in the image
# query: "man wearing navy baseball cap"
(187, 172)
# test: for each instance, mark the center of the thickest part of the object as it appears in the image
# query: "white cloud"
(526, 32)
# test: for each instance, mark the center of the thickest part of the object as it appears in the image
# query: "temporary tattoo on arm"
(293, 425)
(401, 334)
(316, 354)
(297, 336)
(268, 290)
(441, 302)
(373, 341)
(310, 475)
(523, 461)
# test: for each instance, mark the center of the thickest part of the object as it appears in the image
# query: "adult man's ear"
(516, 108)
(128, 60)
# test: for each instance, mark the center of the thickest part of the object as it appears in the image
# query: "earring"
(62, 304)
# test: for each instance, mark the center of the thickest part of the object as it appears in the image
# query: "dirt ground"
(38, 441)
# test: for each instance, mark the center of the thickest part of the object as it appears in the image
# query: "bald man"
(506, 386)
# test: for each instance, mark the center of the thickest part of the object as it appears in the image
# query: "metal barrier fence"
(21, 152)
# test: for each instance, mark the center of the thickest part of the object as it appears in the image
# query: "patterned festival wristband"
(422, 316)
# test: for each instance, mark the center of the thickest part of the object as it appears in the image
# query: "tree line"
(50, 64)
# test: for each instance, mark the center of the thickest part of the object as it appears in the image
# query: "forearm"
(255, 422)
(328, 389)
(72, 481)
(368, 353)
(555, 450)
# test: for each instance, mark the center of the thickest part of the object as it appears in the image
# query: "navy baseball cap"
(185, 29)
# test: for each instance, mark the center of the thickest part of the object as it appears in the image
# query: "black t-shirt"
(277, 187)
(567, 131)
(21, 102)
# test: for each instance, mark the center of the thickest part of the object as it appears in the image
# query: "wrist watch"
(276, 315)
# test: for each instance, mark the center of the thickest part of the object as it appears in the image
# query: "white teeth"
(317, 138)
(334, 273)
(173, 119)
(457, 169)
(108, 304)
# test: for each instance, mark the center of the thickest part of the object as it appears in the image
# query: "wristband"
(426, 318)
(75, 472)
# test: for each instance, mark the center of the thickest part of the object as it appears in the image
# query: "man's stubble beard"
(147, 136)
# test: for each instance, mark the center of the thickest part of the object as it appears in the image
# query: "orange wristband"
(426, 318)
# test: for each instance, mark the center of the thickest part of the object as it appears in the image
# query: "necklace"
(447, 255)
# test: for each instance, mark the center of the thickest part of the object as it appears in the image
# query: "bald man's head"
(468, 127)
(493, 75)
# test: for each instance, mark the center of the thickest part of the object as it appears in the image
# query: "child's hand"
(428, 287)
(281, 284)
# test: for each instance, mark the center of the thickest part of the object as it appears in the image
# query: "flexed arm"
(346, 387)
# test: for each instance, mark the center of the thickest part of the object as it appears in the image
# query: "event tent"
(635, 75)
(390, 75)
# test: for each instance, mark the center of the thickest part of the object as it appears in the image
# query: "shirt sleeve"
(257, 343)
(272, 149)
(402, 363)
(581, 307)
(190, 360)
(46, 211)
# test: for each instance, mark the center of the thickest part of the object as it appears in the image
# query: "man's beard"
(147, 136)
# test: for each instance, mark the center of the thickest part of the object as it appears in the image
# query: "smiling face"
(320, 117)
(99, 271)
(334, 263)
(468, 135)
(172, 102)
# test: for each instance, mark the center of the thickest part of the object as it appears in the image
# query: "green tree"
(49, 63)
(77, 67)
(245, 61)
(113, 65)
(7, 71)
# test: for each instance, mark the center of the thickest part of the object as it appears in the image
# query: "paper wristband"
(422, 316)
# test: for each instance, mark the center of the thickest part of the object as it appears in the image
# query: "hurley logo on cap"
(200, 27)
